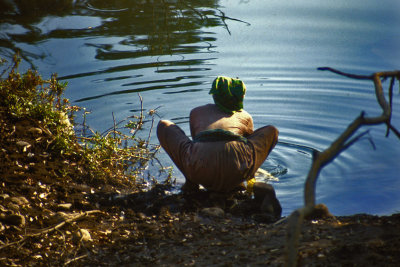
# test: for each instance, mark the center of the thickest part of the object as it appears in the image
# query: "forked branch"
(344, 141)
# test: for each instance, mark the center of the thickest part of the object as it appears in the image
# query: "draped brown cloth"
(217, 165)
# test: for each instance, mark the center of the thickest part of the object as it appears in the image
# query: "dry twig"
(52, 228)
(140, 122)
(345, 140)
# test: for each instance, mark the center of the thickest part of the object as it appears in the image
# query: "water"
(170, 51)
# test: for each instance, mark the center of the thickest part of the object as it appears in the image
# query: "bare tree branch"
(320, 159)
(390, 104)
(353, 76)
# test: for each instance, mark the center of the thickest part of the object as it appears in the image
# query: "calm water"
(170, 51)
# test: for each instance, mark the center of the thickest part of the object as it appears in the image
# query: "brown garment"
(218, 166)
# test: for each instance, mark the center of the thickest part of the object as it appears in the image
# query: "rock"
(3, 209)
(20, 201)
(23, 144)
(35, 131)
(4, 196)
(264, 195)
(261, 190)
(13, 219)
(82, 235)
(212, 212)
(12, 206)
(271, 206)
(64, 206)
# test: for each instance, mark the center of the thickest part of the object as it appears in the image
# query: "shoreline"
(59, 205)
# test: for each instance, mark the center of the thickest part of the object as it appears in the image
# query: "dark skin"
(209, 117)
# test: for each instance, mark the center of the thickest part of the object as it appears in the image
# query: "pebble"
(35, 131)
(4, 196)
(12, 206)
(64, 206)
(21, 201)
(3, 209)
(82, 235)
(23, 144)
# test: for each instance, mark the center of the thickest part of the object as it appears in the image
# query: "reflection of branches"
(152, 28)
(230, 18)
(344, 141)
(223, 18)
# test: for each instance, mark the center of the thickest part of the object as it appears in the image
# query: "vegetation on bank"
(52, 180)
(109, 158)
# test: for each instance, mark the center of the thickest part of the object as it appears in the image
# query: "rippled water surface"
(170, 51)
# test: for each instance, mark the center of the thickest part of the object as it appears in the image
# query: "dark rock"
(261, 190)
(264, 195)
(13, 219)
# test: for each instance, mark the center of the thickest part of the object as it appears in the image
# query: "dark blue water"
(170, 51)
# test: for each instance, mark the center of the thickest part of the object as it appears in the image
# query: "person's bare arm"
(249, 126)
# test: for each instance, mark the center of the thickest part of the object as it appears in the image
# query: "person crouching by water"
(225, 150)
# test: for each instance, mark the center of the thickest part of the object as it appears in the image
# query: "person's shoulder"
(203, 108)
(244, 113)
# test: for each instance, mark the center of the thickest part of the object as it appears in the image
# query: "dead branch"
(52, 228)
(75, 259)
(344, 141)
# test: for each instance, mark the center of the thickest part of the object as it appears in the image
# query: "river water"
(170, 51)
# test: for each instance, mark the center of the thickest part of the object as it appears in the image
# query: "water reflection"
(19, 19)
(158, 35)
(149, 28)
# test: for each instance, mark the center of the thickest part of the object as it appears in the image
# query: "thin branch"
(115, 126)
(355, 139)
(349, 75)
(151, 128)
(320, 159)
(390, 104)
(75, 259)
(140, 123)
(52, 228)
(396, 132)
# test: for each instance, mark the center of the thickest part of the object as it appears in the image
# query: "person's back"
(210, 117)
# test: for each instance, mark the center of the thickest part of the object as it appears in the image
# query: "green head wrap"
(228, 94)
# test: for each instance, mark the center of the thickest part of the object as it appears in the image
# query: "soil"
(50, 219)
